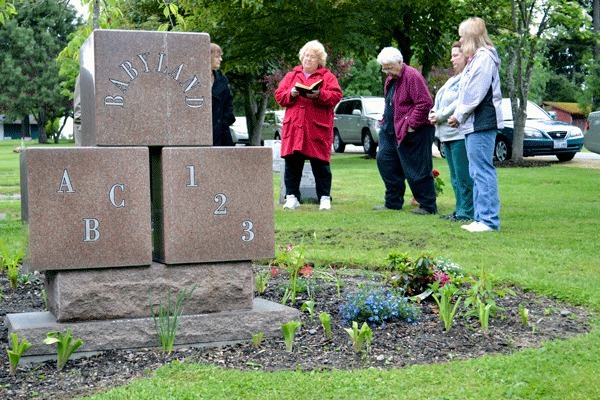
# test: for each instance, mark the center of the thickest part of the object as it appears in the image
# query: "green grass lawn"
(548, 243)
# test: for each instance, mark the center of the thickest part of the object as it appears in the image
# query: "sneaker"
(421, 211)
(455, 218)
(477, 227)
(291, 202)
(325, 203)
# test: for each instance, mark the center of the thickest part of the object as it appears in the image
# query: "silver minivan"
(357, 121)
(591, 139)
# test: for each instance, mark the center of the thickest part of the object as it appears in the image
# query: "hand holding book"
(309, 90)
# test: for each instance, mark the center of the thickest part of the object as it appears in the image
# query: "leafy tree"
(29, 44)
(590, 98)
(7, 9)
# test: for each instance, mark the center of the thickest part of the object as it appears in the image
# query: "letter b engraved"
(92, 234)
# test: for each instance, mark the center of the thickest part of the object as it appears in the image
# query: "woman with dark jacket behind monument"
(222, 100)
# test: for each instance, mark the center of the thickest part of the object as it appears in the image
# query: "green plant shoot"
(484, 315)
(260, 280)
(443, 299)
(289, 332)
(326, 322)
(18, 348)
(257, 339)
(167, 319)
(524, 314)
(310, 307)
(361, 336)
(64, 346)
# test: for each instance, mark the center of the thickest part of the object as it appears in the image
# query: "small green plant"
(326, 322)
(257, 339)
(310, 307)
(289, 333)
(18, 348)
(13, 275)
(9, 262)
(361, 336)
(443, 297)
(64, 346)
(261, 279)
(413, 277)
(524, 314)
(483, 290)
(484, 315)
(167, 318)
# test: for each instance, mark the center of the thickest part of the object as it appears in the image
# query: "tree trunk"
(42, 119)
(25, 128)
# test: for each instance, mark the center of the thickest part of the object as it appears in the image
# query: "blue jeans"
(486, 200)
(462, 184)
(410, 161)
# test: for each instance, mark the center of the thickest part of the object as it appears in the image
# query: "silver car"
(591, 140)
(357, 121)
(239, 130)
(272, 126)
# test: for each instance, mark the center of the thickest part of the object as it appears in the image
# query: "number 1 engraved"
(221, 210)
(248, 235)
(192, 176)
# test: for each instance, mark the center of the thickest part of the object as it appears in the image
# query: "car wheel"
(440, 147)
(565, 156)
(502, 150)
(369, 145)
(338, 145)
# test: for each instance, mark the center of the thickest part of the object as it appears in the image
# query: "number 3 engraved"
(221, 210)
(248, 235)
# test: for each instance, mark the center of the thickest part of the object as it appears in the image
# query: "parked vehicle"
(272, 126)
(239, 130)
(543, 135)
(357, 121)
(591, 140)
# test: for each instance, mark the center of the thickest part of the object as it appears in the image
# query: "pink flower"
(306, 271)
(441, 277)
(273, 270)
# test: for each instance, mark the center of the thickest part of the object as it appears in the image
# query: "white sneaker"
(325, 203)
(477, 227)
(291, 202)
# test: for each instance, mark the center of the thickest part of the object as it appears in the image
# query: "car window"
(533, 111)
(341, 107)
(357, 106)
(374, 105)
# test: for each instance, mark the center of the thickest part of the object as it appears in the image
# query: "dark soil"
(396, 345)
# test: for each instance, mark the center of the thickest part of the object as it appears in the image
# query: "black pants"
(410, 161)
(294, 164)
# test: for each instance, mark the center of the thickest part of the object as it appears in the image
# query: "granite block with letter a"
(86, 207)
(212, 204)
(142, 88)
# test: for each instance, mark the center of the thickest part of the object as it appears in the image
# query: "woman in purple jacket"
(405, 136)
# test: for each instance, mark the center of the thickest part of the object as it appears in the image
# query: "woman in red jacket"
(307, 132)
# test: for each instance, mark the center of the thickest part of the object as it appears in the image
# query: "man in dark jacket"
(222, 100)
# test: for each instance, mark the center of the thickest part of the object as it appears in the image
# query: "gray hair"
(316, 46)
(390, 55)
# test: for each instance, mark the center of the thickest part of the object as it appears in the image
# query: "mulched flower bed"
(396, 345)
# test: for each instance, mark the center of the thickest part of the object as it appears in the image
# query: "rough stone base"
(100, 294)
(202, 329)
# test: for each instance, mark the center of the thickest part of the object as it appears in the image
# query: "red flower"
(435, 173)
(306, 271)
(273, 271)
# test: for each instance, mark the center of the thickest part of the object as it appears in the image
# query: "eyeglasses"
(388, 69)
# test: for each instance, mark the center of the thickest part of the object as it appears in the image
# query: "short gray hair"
(390, 55)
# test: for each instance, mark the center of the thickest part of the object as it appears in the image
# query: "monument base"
(194, 330)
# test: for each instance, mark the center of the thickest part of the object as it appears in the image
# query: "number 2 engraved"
(221, 198)
(248, 235)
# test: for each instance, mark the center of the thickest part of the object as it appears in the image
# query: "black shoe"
(448, 216)
(461, 219)
(421, 211)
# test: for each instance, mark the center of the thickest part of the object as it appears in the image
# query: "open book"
(304, 90)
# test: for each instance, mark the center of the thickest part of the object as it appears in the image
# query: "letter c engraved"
(112, 196)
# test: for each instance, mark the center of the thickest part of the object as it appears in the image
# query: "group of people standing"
(465, 117)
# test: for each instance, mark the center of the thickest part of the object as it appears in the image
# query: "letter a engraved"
(65, 182)
(92, 233)
(122, 86)
(192, 176)
(111, 195)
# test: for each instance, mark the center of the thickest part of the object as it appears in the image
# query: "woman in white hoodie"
(478, 116)
(453, 141)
